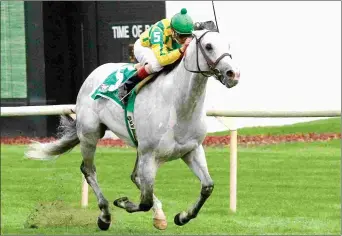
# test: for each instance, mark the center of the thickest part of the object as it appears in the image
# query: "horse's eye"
(208, 46)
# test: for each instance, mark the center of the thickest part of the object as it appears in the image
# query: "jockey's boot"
(127, 87)
(131, 83)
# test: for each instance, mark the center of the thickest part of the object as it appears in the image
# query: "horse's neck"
(189, 101)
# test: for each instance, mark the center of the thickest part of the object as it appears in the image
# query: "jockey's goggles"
(181, 36)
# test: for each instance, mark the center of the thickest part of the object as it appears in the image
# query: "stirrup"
(122, 92)
(125, 91)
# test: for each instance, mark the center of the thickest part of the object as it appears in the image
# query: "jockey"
(162, 44)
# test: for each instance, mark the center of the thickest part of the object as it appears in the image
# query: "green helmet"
(182, 23)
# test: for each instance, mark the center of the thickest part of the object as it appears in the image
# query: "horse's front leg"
(146, 172)
(198, 164)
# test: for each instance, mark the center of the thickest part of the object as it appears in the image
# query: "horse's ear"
(208, 25)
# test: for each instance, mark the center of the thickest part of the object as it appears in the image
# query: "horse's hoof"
(120, 200)
(102, 225)
(160, 224)
(178, 222)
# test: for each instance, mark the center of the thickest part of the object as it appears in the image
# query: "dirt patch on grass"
(58, 213)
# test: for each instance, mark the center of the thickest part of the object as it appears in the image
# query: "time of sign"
(128, 31)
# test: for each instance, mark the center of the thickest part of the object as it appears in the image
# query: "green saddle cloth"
(109, 87)
(109, 90)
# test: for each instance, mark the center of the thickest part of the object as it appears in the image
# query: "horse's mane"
(168, 68)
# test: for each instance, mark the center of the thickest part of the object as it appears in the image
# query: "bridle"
(213, 71)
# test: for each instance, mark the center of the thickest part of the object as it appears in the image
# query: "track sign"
(129, 31)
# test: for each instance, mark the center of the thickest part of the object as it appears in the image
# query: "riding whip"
(215, 16)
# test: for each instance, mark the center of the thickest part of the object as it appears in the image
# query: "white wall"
(289, 53)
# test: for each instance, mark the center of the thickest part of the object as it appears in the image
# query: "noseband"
(213, 71)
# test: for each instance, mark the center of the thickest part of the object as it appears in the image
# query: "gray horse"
(169, 120)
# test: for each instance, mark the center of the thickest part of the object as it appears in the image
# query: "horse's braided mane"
(168, 68)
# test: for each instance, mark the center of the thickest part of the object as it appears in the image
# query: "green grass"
(13, 50)
(331, 125)
(282, 189)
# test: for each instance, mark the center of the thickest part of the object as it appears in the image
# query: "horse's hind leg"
(89, 134)
(146, 172)
(159, 218)
(198, 164)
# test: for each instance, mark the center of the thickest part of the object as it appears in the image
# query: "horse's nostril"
(230, 74)
(237, 75)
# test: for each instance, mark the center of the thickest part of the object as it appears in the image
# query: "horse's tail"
(67, 140)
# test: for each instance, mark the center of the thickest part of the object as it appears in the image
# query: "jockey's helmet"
(182, 23)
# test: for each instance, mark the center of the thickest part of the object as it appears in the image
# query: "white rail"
(70, 109)
(37, 110)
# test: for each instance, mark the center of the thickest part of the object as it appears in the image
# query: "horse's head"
(213, 58)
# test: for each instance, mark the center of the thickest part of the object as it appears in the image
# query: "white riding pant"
(145, 55)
